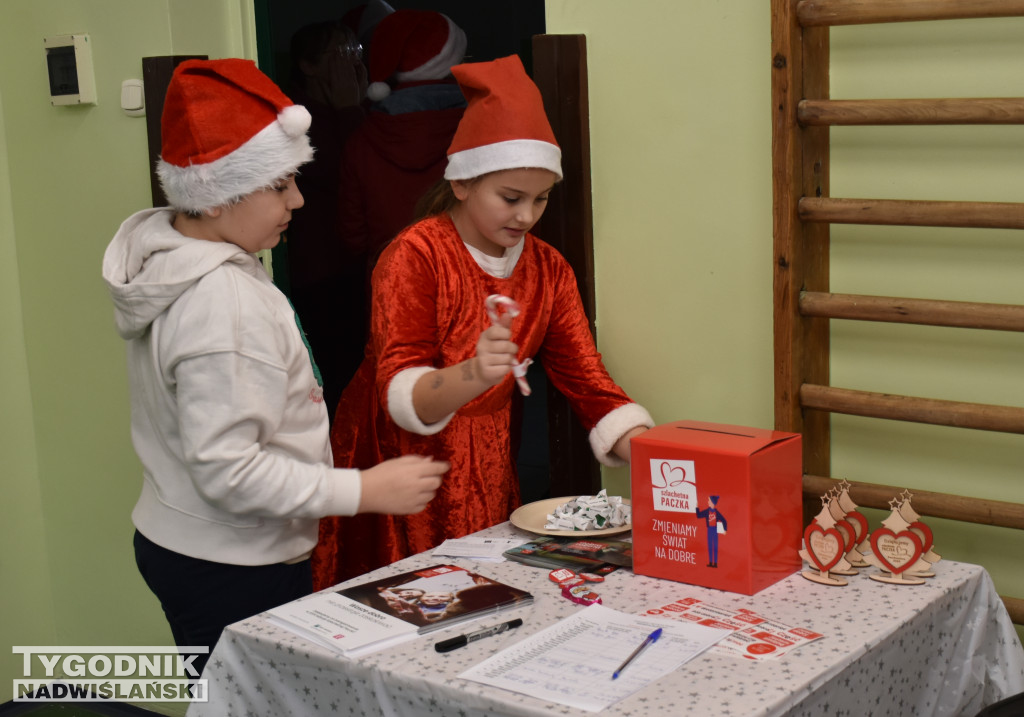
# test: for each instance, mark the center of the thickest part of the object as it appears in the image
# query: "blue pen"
(650, 639)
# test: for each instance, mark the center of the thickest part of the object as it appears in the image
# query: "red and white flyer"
(754, 637)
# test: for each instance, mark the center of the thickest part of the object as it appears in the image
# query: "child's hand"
(495, 354)
(621, 447)
(401, 486)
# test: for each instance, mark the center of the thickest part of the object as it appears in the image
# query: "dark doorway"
(494, 28)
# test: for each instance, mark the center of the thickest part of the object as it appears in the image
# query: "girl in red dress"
(437, 378)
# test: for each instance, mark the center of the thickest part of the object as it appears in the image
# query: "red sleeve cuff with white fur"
(614, 426)
(400, 406)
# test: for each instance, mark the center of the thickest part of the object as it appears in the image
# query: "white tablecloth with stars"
(947, 647)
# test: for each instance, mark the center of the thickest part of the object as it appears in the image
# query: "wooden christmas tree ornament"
(896, 550)
(824, 548)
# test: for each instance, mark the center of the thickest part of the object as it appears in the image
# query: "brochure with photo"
(374, 615)
(598, 555)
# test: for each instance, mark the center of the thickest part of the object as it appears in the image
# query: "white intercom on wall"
(133, 98)
(69, 66)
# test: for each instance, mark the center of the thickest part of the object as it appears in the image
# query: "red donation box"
(716, 505)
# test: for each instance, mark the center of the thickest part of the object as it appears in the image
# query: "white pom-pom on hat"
(294, 120)
(413, 46)
(377, 91)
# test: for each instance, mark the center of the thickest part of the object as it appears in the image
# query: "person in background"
(399, 152)
(438, 374)
(227, 411)
(328, 78)
(363, 19)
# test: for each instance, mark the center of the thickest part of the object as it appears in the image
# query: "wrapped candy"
(590, 512)
(494, 304)
(580, 594)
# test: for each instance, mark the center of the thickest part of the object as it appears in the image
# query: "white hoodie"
(227, 415)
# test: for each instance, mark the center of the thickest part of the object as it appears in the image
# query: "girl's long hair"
(439, 199)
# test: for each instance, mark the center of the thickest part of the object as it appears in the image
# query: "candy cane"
(493, 302)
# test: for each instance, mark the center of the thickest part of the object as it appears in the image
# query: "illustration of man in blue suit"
(712, 518)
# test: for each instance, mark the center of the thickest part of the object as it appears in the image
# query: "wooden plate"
(533, 516)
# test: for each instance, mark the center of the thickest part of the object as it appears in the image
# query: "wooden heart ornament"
(849, 533)
(896, 552)
(856, 540)
(860, 523)
(922, 531)
(825, 547)
(929, 556)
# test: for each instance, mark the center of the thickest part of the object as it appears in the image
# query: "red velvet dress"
(428, 311)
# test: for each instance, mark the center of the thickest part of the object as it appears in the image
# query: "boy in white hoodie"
(228, 417)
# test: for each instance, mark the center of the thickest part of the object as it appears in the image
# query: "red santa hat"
(363, 19)
(504, 126)
(227, 131)
(413, 46)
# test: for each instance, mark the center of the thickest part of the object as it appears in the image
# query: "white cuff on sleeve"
(612, 427)
(347, 491)
(400, 405)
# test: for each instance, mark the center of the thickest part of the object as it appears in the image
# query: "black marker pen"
(463, 640)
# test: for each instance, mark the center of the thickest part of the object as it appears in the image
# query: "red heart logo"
(669, 476)
(825, 547)
(896, 551)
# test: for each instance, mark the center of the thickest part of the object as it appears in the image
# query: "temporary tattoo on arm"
(467, 370)
(438, 380)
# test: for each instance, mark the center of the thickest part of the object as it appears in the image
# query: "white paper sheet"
(572, 661)
(489, 549)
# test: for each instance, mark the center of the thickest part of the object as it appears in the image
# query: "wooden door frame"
(156, 76)
(560, 72)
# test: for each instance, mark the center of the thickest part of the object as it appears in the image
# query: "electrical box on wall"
(69, 67)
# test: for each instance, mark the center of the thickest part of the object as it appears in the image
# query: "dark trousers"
(200, 598)
(713, 544)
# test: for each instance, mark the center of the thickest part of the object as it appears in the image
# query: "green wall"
(681, 138)
(23, 559)
(977, 58)
(68, 177)
(681, 154)
(681, 141)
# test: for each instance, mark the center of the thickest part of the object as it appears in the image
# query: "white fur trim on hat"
(615, 424)
(440, 65)
(276, 151)
(511, 154)
(400, 406)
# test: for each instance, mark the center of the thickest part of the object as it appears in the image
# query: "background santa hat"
(413, 46)
(504, 126)
(363, 19)
(227, 130)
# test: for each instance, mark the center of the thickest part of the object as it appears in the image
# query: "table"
(944, 648)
